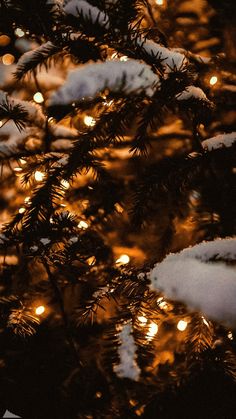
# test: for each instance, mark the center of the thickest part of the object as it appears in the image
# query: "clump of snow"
(128, 367)
(198, 277)
(83, 8)
(29, 55)
(45, 241)
(192, 92)
(221, 140)
(87, 82)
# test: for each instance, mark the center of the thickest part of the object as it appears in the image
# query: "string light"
(8, 59)
(21, 210)
(159, 2)
(152, 331)
(181, 326)
(205, 321)
(65, 184)
(213, 80)
(38, 97)
(89, 121)
(22, 161)
(27, 200)
(83, 225)
(39, 310)
(124, 58)
(18, 169)
(230, 335)
(19, 32)
(1, 124)
(38, 176)
(142, 320)
(162, 303)
(123, 259)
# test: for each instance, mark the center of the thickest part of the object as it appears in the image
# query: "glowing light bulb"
(38, 97)
(230, 335)
(82, 224)
(162, 303)
(65, 184)
(124, 58)
(205, 321)
(19, 32)
(8, 59)
(152, 331)
(159, 2)
(27, 200)
(21, 210)
(89, 121)
(1, 124)
(38, 176)
(142, 320)
(18, 169)
(123, 259)
(39, 310)
(213, 80)
(181, 326)
(22, 161)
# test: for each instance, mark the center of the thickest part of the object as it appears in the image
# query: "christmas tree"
(118, 217)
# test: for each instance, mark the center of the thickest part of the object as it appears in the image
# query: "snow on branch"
(31, 59)
(170, 59)
(192, 92)
(128, 367)
(203, 277)
(221, 140)
(87, 82)
(87, 11)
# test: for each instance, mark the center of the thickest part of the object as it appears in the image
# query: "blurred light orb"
(89, 121)
(19, 32)
(123, 259)
(213, 80)
(39, 310)
(82, 224)
(38, 97)
(8, 59)
(38, 176)
(181, 326)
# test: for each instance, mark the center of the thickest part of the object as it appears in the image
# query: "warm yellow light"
(205, 321)
(1, 124)
(4, 40)
(123, 259)
(213, 80)
(82, 224)
(159, 2)
(230, 335)
(19, 32)
(39, 310)
(89, 121)
(124, 58)
(8, 59)
(65, 184)
(142, 320)
(22, 161)
(21, 210)
(27, 200)
(18, 169)
(152, 331)
(38, 176)
(38, 97)
(162, 303)
(181, 326)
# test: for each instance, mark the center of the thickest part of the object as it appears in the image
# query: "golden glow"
(124, 58)
(8, 59)
(159, 2)
(213, 80)
(21, 210)
(65, 184)
(27, 200)
(152, 331)
(230, 335)
(82, 224)
(39, 310)
(38, 97)
(1, 124)
(205, 321)
(22, 161)
(123, 259)
(89, 121)
(4, 40)
(162, 303)
(142, 320)
(19, 32)
(38, 176)
(181, 326)
(18, 169)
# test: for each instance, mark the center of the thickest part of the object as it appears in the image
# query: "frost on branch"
(221, 140)
(192, 92)
(87, 11)
(200, 277)
(90, 80)
(128, 367)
